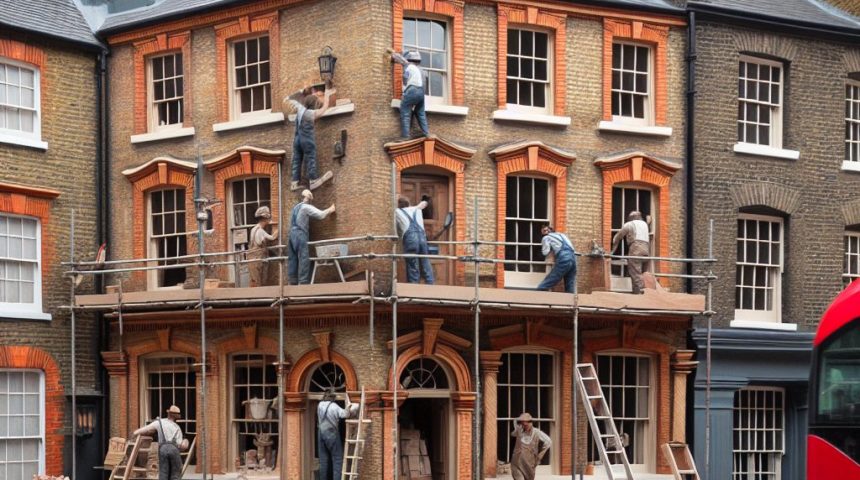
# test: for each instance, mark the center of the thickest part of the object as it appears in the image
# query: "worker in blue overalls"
(329, 443)
(309, 104)
(410, 226)
(299, 264)
(561, 248)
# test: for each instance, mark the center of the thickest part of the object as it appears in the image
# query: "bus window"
(839, 374)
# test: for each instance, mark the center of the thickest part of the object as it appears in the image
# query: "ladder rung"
(594, 397)
(606, 435)
(602, 417)
(614, 452)
(687, 472)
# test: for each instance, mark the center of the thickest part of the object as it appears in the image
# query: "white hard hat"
(262, 212)
(413, 56)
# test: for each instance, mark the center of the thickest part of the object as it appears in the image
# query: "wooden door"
(413, 187)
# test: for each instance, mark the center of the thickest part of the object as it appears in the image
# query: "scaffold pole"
(281, 455)
(201, 225)
(74, 357)
(478, 453)
(394, 380)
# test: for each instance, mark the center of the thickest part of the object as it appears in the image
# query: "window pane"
(527, 43)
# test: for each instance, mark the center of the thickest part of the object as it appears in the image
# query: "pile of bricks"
(414, 460)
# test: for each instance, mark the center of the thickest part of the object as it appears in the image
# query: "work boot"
(319, 181)
(294, 185)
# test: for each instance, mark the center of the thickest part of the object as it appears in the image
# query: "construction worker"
(299, 265)
(635, 231)
(412, 99)
(410, 226)
(170, 442)
(257, 246)
(559, 247)
(329, 443)
(309, 104)
(527, 454)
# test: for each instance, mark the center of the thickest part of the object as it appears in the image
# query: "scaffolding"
(275, 297)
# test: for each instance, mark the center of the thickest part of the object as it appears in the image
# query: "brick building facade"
(785, 228)
(48, 151)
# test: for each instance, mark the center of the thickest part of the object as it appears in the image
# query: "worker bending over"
(329, 443)
(410, 225)
(170, 442)
(558, 246)
(636, 233)
(299, 265)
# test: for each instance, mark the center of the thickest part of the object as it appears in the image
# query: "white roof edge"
(264, 151)
(635, 153)
(509, 147)
(174, 161)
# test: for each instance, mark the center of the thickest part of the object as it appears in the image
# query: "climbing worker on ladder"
(309, 104)
(527, 455)
(170, 442)
(299, 265)
(410, 225)
(329, 443)
(637, 235)
(561, 248)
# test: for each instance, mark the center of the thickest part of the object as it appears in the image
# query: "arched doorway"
(427, 446)
(326, 375)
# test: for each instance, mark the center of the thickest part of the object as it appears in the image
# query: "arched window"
(170, 380)
(327, 375)
(424, 373)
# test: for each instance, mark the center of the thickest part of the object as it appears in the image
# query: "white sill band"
(765, 151)
(787, 327)
(536, 118)
(455, 110)
(249, 121)
(654, 131)
(23, 141)
(163, 135)
(332, 111)
(850, 166)
(24, 315)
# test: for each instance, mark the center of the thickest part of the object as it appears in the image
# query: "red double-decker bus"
(833, 445)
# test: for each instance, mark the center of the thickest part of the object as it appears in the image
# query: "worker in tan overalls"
(527, 454)
(258, 242)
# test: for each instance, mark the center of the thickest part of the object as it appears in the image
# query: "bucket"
(256, 408)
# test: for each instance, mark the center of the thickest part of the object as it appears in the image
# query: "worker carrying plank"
(637, 235)
(258, 246)
(410, 226)
(560, 247)
(299, 265)
(170, 442)
(329, 443)
(310, 104)
(527, 452)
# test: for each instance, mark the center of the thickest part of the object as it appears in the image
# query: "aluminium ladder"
(599, 415)
(681, 461)
(354, 443)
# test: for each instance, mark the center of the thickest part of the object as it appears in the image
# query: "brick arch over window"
(851, 61)
(439, 153)
(851, 213)
(641, 169)
(763, 43)
(433, 342)
(530, 16)
(161, 43)
(55, 402)
(245, 161)
(159, 172)
(654, 35)
(32, 202)
(529, 157)
(771, 195)
(661, 353)
(23, 52)
(453, 11)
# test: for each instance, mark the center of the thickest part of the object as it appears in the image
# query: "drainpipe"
(691, 136)
(102, 186)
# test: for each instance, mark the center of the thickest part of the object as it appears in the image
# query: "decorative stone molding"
(490, 363)
(851, 61)
(323, 339)
(764, 43)
(445, 351)
(766, 194)
(297, 379)
(250, 334)
(116, 363)
(145, 49)
(682, 365)
(851, 213)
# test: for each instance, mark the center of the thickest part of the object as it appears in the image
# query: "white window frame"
(852, 126)
(20, 137)
(235, 101)
(851, 247)
(232, 421)
(737, 433)
(445, 99)
(555, 422)
(152, 113)
(649, 438)
(231, 216)
(623, 283)
(41, 437)
(550, 73)
(33, 310)
(648, 119)
(143, 377)
(517, 279)
(766, 316)
(776, 111)
(155, 277)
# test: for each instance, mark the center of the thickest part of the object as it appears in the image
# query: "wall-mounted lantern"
(327, 61)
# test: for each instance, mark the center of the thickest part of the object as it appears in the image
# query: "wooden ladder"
(354, 443)
(599, 416)
(681, 461)
(126, 468)
(187, 456)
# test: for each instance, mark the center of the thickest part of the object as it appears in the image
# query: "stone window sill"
(788, 327)
(23, 141)
(533, 118)
(331, 112)
(766, 151)
(249, 121)
(24, 315)
(850, 166)
(455, 110)
(163, 135)
(649, 130)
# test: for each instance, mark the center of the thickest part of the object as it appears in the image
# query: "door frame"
(428, 171)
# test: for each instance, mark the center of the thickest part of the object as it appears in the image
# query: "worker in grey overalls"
(309, 105)
(170, 442)
(528, 452)
(329, 443)
(561, 248)
(299, 264)
(410, 224)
